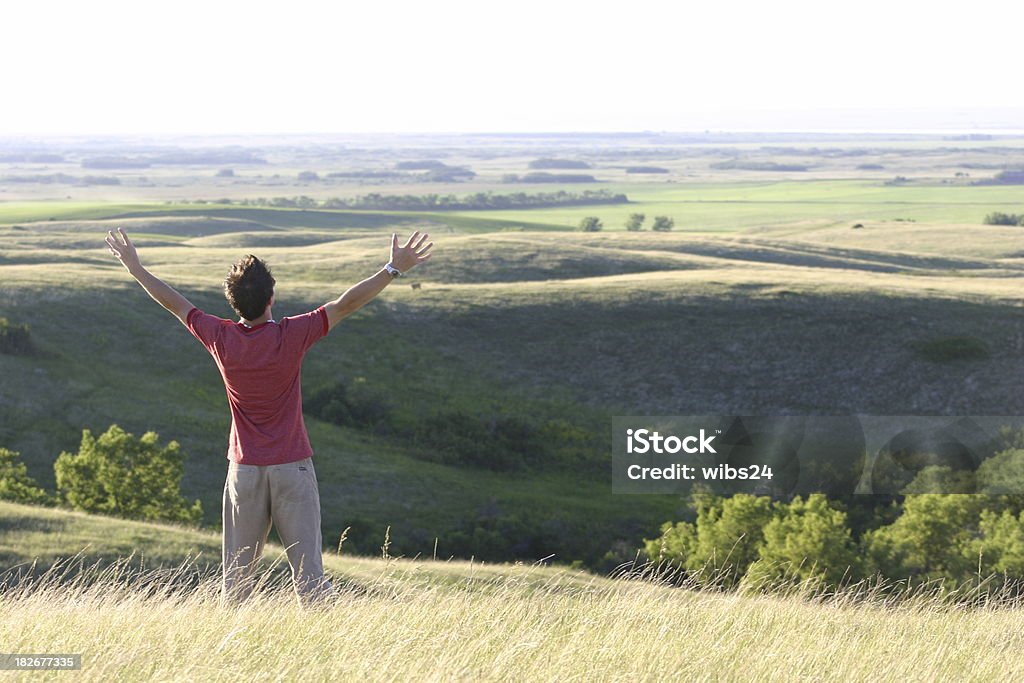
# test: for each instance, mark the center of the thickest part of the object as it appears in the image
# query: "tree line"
(478, 201)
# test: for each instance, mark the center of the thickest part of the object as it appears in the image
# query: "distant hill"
(549, 163)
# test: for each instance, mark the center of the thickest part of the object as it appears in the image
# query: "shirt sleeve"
(307, 329)
(203, 326)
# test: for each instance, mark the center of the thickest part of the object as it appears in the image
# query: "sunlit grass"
(412, 621)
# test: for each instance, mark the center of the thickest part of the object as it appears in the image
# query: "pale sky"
(220, 66)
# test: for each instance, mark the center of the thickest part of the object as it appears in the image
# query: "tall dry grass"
(411, 621)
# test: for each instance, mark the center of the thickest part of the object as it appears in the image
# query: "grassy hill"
(37, 540)
(796, 313)
(424, 620)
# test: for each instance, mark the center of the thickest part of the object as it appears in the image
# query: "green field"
(731, 206)
(701, 206)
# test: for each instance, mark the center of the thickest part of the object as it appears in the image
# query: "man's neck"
(266, 317)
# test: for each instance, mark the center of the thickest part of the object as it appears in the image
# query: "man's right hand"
(124, 250)
(410, 254)
(162, 293)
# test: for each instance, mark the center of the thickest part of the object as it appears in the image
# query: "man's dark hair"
(249, 287)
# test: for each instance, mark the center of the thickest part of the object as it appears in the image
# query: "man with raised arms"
(270, 477)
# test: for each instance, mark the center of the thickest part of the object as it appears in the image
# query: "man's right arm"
(403, 258)
(160, 291)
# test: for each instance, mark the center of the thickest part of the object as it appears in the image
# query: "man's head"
(249, 287)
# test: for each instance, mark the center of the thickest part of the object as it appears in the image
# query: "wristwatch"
(395, 272)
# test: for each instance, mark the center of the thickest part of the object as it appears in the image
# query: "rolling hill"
(560, 330)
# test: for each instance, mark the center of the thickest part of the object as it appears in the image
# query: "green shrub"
(498, 536)
(635, 222)
(808, 541)
(930, 540)
(1000, 218)
(357, 407)
(950, 540)
(950, 349)
(663, 224)
(497, 443)
(14, 338)
(722, 544)
(1000, 547)
(568, 445)
(591, 224)
(15, 484)
(119, 474)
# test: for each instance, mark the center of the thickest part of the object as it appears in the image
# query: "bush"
(951, 540)
(14, 338)
(15, 484)
(118, 474)
(591, 224)
(635, 222)
(930, 540)
(950, 349)
(504, 442)
(663, 224)
(722, 544)
(1000, 547)
(357, 407)
(495, 536)
(808, 541)
(1000, 218)
(569, 445)
(500, 443)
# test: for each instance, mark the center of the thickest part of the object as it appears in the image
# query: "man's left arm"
(160, 291)
(403, 258)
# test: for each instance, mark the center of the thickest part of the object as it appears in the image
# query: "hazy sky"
(439, 65)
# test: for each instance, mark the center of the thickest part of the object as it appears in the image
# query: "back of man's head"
(249, 287)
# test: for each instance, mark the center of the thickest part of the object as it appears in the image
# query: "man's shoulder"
(310, 325)
(197, 313)
(309, 317)
(205, 327)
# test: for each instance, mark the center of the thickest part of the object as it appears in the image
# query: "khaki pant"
(287, 496)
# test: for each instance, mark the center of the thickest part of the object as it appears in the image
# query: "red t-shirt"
(261, 367)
